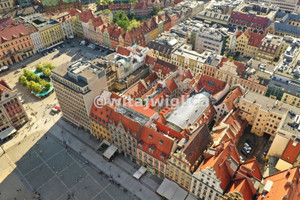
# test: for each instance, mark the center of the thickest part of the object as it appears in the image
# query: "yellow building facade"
(263, 113)
(291, 100)
(6, 5)
(51, 35)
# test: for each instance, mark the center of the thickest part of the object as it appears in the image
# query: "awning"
(7, 132)
(110, 152)
(139, 172)
(55, 44)
(170, 190)
(57, 107)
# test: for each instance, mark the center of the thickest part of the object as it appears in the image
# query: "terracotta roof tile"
(285, 185)
(210, 84)
(197, 143)
(85, 16)
(242, 186)
(155, 144)
(250, 168)
(223, 152)
(231, 96)
(123, 51)
(291, 152)
(129, 125)
(101, 115)
(12, 32)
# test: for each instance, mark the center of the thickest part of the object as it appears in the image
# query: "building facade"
(76, 86)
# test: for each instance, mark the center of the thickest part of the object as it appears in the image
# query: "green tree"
(48, 66)
(47, 72)
(132, 15)
(97, 2)
(47, 85)
(36, 87)
(23, 80)
(120, 15)
(39, 68)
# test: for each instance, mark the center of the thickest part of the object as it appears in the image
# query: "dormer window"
(150, 137)
(161, 142)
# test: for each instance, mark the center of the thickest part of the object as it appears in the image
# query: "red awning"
(57, 107)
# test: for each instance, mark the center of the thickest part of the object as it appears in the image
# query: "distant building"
(15, 42)
(6, 5)
(25, 3)
(51, 6)
(12, 113)
(76, 85)
(65, 19)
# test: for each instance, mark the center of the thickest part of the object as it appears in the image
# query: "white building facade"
(37, 41)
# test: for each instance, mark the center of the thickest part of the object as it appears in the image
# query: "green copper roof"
(49, 3)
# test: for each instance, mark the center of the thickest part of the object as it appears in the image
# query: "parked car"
(245, 152)
(242, 159)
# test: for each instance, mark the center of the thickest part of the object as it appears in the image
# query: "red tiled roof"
(151, 78)
(129, 125)
(210, 84)
(150, 60)
(197, 143)
(255, 39)
(3, 86)
(123, 51)
(250, 18)
(231, 96)
(291, 152)
(168, 131)
(242, 186)
(73, 12)
(171, 85)
(97, 22)
(240, 67)
(6, 22)
(12, 32)
(138, 90)
(155, 144)
(139, 5)
(250, 168)
(85, 16)
(218, 161)
(149, 112)
(101, 115)
(285, 185)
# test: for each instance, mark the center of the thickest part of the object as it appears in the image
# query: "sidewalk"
(110, 169)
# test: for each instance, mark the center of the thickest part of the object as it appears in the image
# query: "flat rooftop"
(269, 104)
(79, 72)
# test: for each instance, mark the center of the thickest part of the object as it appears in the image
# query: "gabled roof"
(101, 115)
(255, 39)
(224, 152)
(171, 85)
(129, 125)
(13, 32)
(250, 168)
(242, 186)
(151, 78)
(6, 22)
(123, 51)
(155, 144)
(283, 185)
(73, 12)
(291, 152)
(210, 84)
(136, 91)
(197, 144)
(231, 96)
(97, 22)
(85, 16)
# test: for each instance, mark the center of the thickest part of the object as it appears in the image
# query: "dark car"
(23, 66)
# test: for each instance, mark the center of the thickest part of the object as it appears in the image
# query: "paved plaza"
(56, 173)
(36, 161)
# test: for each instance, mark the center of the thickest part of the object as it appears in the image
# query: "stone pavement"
(144, 189)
